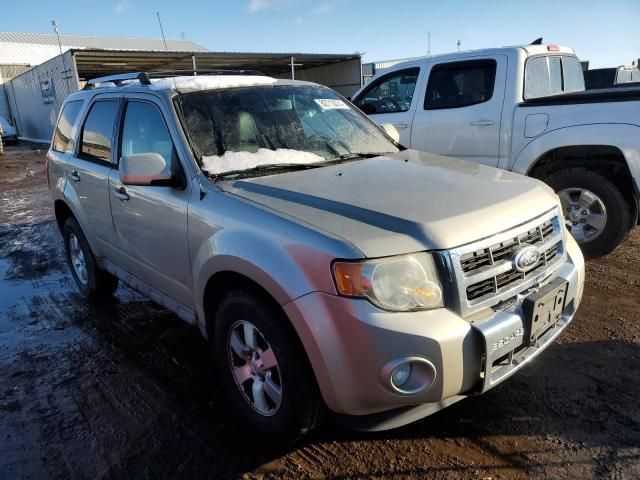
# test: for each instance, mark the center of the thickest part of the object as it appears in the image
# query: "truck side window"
(460, 84)
(62, 135)
(552, 75)
(97, 132)
(145, 131)
(389, 94)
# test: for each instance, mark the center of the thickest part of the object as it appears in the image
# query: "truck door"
(151, 221)
(390, 99)
(461, 109)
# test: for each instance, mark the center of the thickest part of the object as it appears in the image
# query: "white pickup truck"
(524, 109)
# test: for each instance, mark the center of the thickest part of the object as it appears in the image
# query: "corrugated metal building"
(36, 95)
(21, 51)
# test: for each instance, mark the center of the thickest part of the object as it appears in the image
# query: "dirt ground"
(126, 390)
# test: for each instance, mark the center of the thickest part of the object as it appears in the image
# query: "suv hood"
(404, 202)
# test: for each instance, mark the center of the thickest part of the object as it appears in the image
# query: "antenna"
(428, 44)
(166, 49)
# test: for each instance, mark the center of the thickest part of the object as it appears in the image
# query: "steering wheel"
(386, 101)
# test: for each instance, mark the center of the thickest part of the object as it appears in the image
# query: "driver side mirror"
(144, 169)
(391, 131)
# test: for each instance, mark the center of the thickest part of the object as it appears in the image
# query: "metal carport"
(36, 96)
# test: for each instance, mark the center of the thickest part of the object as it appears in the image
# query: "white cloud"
(122, 6)
(324, 7)
(262, 5)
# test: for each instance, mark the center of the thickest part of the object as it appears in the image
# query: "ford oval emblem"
(525, 258)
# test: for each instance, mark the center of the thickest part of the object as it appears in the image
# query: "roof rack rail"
(203, 71)
(142, 77)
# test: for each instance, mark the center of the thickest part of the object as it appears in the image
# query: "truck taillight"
(553, 48)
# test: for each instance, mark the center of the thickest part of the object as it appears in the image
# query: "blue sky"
(606, 33)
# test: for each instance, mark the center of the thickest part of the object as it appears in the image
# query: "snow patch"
(243, 160)
(210, 82)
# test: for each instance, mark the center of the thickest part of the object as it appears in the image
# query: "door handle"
(75, 176)
(400, 125)
(483, 122)
(121, 194)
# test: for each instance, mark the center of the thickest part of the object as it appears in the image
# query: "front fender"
(286, 259)
(623, 136)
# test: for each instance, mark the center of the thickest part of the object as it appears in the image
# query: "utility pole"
(55, 29)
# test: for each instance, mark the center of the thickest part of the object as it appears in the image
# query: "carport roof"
(93, 63)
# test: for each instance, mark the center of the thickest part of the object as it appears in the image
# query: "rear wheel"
(91, 280)
(264, 369)
(595, 210)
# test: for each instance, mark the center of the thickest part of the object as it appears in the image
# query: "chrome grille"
(484, 270)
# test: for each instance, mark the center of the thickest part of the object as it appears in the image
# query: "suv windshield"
(243, 128)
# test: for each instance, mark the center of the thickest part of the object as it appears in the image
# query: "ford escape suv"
(332, 270)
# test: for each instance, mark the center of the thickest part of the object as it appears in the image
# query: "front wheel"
(264, 369)
(594, 209)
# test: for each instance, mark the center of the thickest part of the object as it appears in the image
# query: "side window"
(552, 75)
(62, 135)
(391, 93)
(97, 131)
(460, 84)
(144, 131)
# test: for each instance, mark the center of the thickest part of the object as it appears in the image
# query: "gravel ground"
(126, 390)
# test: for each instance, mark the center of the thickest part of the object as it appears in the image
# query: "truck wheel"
(594, 210)
(264, 369)
(92, 281)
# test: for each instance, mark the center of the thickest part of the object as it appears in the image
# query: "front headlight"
(402, 283)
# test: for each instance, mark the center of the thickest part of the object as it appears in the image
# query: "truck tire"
(264, 369)
(595, 210)
(91, 280)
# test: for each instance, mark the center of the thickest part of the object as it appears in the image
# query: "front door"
(151, 221)
(390, 99)
(461, 110)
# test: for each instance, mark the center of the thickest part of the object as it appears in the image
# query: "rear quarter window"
(67, 119)
(552, 75)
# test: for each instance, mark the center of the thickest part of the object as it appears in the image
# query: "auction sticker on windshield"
(331, 104)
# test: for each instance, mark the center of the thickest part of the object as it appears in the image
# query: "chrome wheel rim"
(78, 261)
(584, 213)
(254, 368)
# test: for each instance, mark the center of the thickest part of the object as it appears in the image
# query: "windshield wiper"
(263, 168)
(355, 156)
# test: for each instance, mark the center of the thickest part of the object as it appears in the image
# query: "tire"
(579, 187)
(299, 408)
(91, 280)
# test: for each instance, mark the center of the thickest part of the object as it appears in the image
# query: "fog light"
(400, 375)
(408, 375)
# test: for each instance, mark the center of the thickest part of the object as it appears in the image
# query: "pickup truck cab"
(524, 109)
(331, 269)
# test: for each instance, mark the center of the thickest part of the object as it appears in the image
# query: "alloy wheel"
(254, 368)
(584, 212)
(78, 261)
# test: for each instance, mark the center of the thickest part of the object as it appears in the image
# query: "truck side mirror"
(144, 169)
(391, 131)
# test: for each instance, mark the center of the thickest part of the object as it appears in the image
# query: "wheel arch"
(62, 213)
(607, 160)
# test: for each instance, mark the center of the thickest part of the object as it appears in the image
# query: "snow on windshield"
(210, 82)
(243, 160)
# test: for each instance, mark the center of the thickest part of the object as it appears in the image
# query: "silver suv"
(331, 269)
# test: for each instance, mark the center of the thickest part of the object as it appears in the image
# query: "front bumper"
(349, 341)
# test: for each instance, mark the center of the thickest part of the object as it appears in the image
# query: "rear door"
(87, 171)
(461, 108)
(151, 221)
(391, 99)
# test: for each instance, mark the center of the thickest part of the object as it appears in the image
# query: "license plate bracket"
(542, 309)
